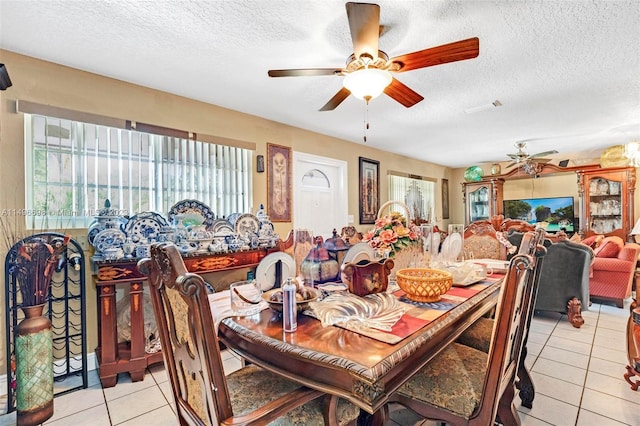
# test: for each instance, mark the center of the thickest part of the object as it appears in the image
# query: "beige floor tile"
(611, 407)
(539, 338)
(587, 418)
(529, 420)
(135, 404)
(569, 345)
(529, 361)
(608, 368)
(96, 416)
(615, 355)
(552, 411)
(542, 327)
(589, 326)
(165, 388)
(566, 357)
(615, 340)
(613, 323)
(125, 386)
(159, 373)
(8, 419)
(557, 389)
(575, 334)
(232, 364)
(163, 416)
(74, 402)
(560, 371)
(534, 348)
(614, 386)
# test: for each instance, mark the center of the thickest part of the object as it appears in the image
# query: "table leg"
(108, 338)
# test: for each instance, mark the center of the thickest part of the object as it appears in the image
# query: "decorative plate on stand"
(247, 224)
(196, 208)
(144, 225)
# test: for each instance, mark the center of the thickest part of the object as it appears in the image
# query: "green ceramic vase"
(34, 367)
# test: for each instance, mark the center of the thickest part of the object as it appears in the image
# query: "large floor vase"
(34, 367)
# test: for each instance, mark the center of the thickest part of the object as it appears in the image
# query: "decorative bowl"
(424, 285)
(301, 305)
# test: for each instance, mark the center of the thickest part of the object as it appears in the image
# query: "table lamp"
(635, 231)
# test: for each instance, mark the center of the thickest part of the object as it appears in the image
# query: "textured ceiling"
(566, 72)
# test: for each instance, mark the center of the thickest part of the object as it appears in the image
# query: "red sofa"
(613, 270)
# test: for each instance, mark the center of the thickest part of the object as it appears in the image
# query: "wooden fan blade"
(305, 72)
(336, 100)
(542, 154)
(402, 93)
(364, 24)
(452, 52)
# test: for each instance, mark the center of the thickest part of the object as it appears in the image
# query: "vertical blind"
(73, 167)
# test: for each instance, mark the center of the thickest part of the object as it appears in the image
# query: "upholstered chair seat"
(252, 387)
(478, 336)
(466, 386)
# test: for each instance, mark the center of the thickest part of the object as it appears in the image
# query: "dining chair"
(203, 394)
(465, 386)
(481, 240)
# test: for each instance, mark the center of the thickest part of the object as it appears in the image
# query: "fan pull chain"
(366, 119)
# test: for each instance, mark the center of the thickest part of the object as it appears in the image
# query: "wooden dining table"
(345, 363)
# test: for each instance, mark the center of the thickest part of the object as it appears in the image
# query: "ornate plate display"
(233, 217)
(109, 238)
(247, 224)
(614, 157)
(143, 225)
(266, 270)
(94, 230)
(193, 210)
(222, 226)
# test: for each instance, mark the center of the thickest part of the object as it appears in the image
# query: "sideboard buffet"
(131, 357)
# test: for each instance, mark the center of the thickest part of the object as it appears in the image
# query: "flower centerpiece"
(391, 234)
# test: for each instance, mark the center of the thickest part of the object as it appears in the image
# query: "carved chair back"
(480, 239)
(191, 352)
(512, 322)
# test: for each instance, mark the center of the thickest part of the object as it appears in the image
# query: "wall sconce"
(260, 163)
(5, 81)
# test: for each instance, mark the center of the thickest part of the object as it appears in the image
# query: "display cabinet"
(482, 199)
(606, 201)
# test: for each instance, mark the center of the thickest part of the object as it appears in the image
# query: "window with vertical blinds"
(416, 192)
(73, 167)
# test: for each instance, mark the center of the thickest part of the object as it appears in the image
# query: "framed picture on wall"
(445, 198)
(279, 194)
(369, 202)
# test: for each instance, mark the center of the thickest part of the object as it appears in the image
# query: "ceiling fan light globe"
(367, 83)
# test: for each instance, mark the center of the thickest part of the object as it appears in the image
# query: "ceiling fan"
(528, 163)
(368, 70)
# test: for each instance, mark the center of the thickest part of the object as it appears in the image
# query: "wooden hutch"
(605, 196)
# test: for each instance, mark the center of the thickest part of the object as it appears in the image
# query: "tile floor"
(577, 374)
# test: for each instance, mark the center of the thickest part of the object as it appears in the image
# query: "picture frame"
(369, 190)
(445, 198)
(279, 192)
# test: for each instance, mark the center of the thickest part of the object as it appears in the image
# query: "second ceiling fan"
(368, 70)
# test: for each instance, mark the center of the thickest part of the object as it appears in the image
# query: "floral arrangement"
(391, 234)
(36, 259)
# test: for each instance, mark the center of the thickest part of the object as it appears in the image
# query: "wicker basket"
(424, 285)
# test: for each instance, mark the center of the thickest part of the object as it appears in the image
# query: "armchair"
(564, 278)
(613, 270)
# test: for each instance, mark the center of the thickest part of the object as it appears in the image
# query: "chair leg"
(574, 312)
(506, 410)
(524, 383)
